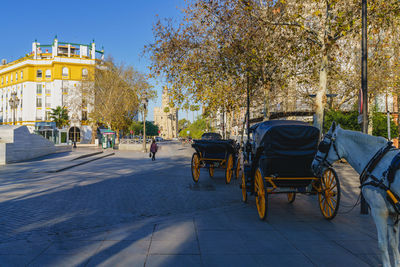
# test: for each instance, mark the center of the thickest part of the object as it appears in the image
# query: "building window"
(48, 73)
(22, 75)
(48, 114)
(84, 115)
(39, 89)
(65, 90)
(2, 80)
(38, 102)
(65, 72)
(11, 78)
(48, 104)
(84, 103)
(6, 79)
(39, 74)
(16, 76)
(84, 73)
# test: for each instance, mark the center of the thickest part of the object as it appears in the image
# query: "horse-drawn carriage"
(278, 161)
(212, 152)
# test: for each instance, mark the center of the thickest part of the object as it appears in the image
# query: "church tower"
(166, 118)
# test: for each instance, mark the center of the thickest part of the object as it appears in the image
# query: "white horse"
(358, 148)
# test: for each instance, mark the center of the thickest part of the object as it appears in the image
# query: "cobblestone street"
(126, 210)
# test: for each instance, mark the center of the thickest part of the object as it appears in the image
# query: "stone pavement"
(125, 210)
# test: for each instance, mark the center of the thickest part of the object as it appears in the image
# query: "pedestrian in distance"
(153, 149)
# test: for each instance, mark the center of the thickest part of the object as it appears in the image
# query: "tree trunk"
(94, 133)
(320, 99)
(266, 102)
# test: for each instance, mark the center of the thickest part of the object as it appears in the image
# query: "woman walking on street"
(153, 149)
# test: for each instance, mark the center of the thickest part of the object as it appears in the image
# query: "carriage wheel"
(238, 166)
(195, 167)
(211, 170)
(329, 196)
(261, 195)
(229, 167)
(291, 197)
(244, 190)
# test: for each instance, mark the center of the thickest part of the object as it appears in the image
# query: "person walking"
(153, 149)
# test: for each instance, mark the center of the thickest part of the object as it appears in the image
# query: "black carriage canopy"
(211, 136)
(288, 147)
(218, 149)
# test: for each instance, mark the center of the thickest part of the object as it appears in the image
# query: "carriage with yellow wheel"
(278, 159)
(214, 153)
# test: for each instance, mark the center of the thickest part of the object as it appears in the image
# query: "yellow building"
(47, 77)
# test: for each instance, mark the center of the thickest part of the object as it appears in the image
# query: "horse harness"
(389, 174)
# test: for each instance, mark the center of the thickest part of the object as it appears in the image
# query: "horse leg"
(380, 218)
(393, 231)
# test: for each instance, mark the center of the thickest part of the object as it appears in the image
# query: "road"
(128, 210)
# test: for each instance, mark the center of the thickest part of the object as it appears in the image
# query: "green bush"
(346, 120)
(349, 121)
(379, 124)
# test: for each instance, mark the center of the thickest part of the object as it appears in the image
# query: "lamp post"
(364, 84)
(144, 102)
(14, 102)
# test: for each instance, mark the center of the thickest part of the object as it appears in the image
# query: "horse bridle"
(324, 147)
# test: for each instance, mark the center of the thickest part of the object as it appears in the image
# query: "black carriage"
(212, 152)
(278, 161)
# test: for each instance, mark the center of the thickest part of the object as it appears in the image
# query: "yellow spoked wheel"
(211, 171)
(238, 165)
(244, 191)
(329, 194)
(291, 197)
(261, 195)
(195, 167)
(229, 167)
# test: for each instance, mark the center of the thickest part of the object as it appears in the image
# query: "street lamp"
(145, 101)
(14, 102)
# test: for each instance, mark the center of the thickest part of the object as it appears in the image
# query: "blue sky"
(122, 27)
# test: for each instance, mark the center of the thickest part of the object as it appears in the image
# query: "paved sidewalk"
(206, 228)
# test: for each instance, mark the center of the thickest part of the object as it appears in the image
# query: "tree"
(60, 116)
(196, 129)
(137, 128)
(116, 94)
(283, 50)
(182, 124)
(210, 55)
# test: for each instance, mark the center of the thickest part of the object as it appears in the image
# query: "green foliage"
(379, 123)
(346, 120)
(182, 124)
(349, 121)
(151, 128)
(197, 128)
(60, 116)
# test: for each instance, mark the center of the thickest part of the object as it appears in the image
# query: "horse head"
(327, 152)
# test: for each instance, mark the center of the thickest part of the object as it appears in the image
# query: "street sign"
(360, 119)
